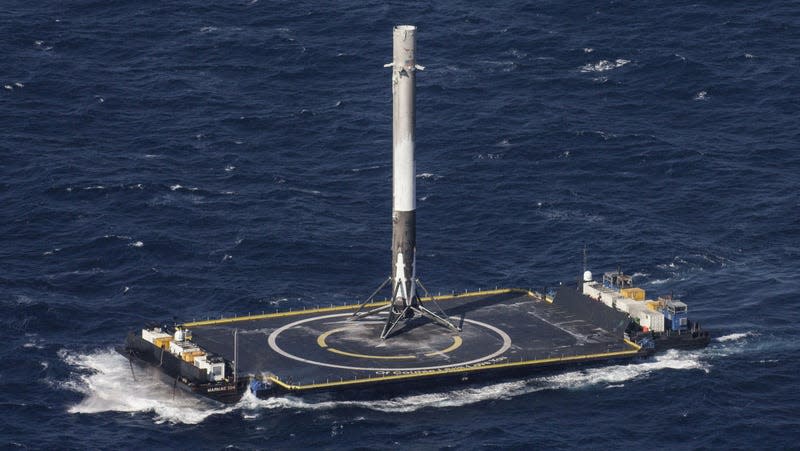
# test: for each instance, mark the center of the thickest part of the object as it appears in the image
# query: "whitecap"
(702, 95)
(306, 191)
(735, 337)
(604, 65)
(519, 54)
(658, 282)
(9, 87)
(278, 301)
(33, 342)
(230, 168)
(19, 85)
(367, 168)
(136, 244)
(588, 50)
(178, 186)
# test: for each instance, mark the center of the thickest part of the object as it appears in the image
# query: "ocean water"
(187, 159)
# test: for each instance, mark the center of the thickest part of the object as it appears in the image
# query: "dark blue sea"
(166, 160)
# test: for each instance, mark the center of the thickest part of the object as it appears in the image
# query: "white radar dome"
(587, 276)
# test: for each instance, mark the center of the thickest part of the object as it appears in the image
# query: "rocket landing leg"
(398, 312)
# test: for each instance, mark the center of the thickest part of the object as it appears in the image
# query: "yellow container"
(636, 294)
(654, 306)
(190, 355)
(162, 342)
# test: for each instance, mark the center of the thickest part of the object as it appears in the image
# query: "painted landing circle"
(320, 341)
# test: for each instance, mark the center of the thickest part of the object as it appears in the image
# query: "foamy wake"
(606, 377)
(104, 378)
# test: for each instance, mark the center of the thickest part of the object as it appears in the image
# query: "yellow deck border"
(421, 374)
(339, 308)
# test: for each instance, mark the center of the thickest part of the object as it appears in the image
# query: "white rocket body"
(404, 192)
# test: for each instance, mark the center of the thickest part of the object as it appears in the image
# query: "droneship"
(401, 337)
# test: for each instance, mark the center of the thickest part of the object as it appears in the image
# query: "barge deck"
(502, 331)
